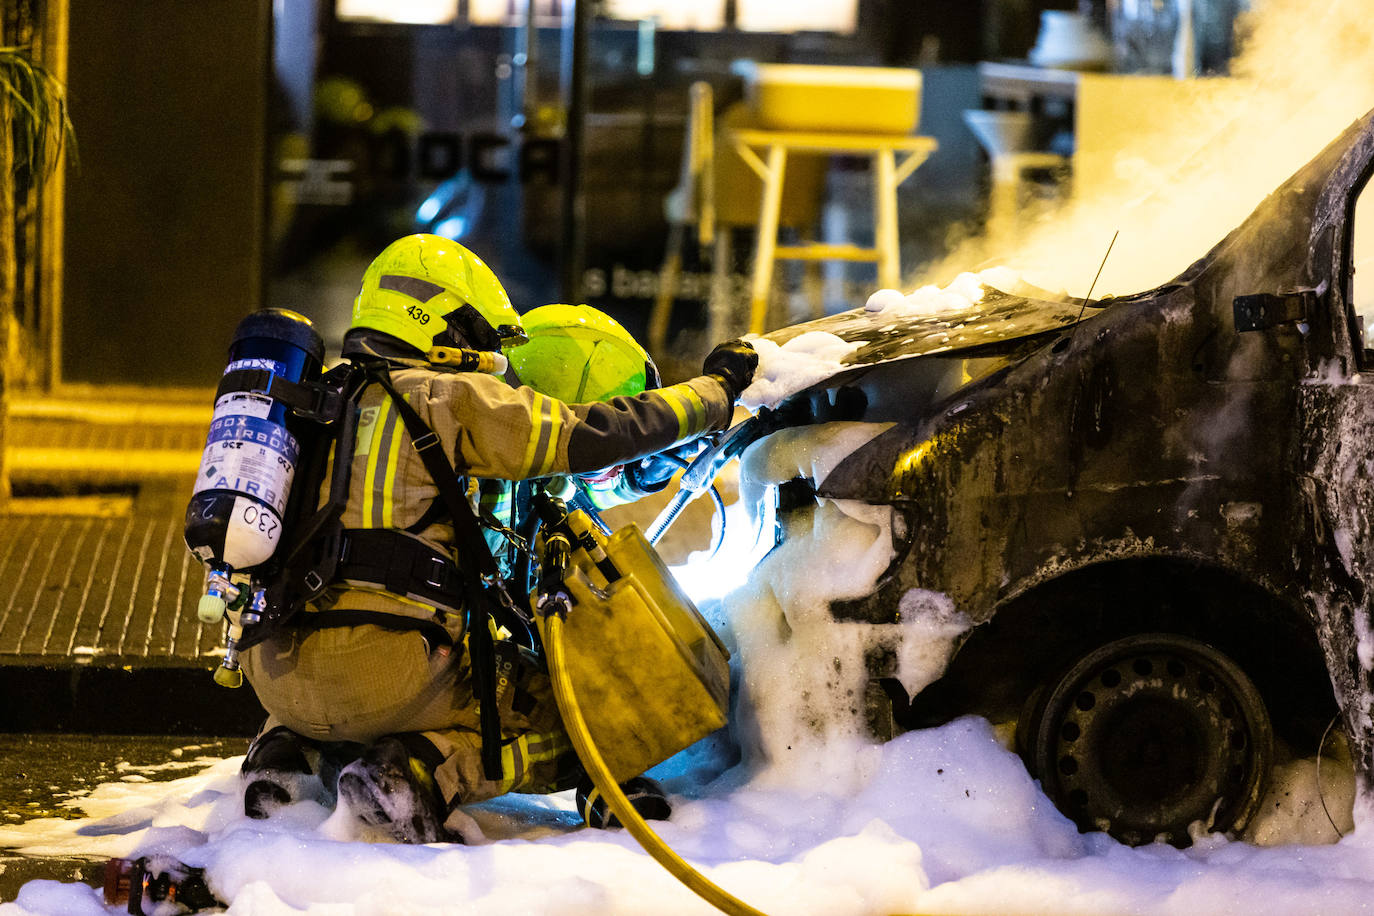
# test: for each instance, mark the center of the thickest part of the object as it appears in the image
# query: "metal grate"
(109, 591)
(93, 569)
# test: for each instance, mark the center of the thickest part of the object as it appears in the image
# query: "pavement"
(90, 542)
(104, 668)
(45, 775)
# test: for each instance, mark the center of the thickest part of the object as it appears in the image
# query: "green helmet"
(578, 354)
(428, 291)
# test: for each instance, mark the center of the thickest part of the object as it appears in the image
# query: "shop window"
(838, 16)
(411, 12)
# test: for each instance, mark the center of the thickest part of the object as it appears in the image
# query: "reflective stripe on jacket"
(491, 430)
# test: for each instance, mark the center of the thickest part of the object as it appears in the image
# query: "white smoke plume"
(1305, 71)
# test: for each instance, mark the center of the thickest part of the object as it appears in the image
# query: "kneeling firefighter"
(391, 665)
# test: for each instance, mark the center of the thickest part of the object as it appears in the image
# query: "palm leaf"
(38, 104)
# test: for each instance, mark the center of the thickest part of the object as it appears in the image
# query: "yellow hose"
(620, 805)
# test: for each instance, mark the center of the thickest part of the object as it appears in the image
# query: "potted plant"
(34, 129)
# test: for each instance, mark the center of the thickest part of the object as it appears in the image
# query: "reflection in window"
(512, 12)
(1362, 261)
(699, 15)
(415, 12)
(797, 15)
(839, 16)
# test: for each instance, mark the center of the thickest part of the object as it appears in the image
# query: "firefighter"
(380, 667)
(578, 354)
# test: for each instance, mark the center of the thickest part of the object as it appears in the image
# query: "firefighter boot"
(277, 772)
(646, 796)
(389, 788)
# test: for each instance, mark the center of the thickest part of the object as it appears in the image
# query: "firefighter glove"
(732, 364)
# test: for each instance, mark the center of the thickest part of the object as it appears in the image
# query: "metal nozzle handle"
(669, 514)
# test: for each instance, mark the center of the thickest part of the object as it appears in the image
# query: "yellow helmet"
(578, 354)
(429, 291)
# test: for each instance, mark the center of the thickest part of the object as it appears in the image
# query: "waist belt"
(400, 564)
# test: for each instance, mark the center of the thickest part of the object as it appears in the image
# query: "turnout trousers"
(356, 684)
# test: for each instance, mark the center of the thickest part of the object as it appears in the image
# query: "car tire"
(1151, 737)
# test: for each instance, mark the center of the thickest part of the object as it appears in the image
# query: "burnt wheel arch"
(1043, 631)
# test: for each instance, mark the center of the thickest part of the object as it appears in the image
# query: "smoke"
(1189, 170)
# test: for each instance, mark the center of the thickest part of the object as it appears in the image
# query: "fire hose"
(591, 758)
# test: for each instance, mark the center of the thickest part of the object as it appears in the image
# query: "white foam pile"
(814, 356)
(939, 821)
(962, 294)
(801, 813)
(784, 370)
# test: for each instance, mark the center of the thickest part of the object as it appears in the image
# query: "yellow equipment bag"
(650, 674)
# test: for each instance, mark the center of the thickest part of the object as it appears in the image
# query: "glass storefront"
(452, 117)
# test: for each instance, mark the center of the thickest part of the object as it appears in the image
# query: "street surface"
(42, 772)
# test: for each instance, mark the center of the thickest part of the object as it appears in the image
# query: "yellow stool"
(718, 193)
(883, 151)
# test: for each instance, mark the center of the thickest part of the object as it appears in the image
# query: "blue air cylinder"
(234, 518)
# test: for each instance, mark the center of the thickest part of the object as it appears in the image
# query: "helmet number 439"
(419, 314)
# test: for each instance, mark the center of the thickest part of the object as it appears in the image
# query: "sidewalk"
(98, 629)
(91, 556)
(96, 441)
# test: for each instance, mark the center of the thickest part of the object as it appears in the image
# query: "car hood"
(892, 333)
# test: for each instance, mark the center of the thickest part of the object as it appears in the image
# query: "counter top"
(1017, 82)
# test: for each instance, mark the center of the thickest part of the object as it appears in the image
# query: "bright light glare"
(452, 228)
(704, 577)
(413, 12)
(797, 15)
(698, 15)
(429, 209)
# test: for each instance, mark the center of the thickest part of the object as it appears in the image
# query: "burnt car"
(1154, 510)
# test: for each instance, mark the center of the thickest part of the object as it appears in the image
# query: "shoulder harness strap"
(482, 579)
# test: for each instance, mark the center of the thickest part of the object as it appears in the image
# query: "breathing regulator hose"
(606, 784)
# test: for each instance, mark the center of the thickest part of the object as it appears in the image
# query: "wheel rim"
(1149, 734)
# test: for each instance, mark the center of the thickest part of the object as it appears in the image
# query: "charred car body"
(1155, 510)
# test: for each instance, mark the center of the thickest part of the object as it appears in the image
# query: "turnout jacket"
(490, 430)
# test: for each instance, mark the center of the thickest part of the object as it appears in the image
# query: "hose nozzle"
(552, 591)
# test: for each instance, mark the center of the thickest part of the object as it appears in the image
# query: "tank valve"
(256, 605)
(219, 592)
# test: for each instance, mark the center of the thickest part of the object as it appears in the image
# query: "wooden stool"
(888, 173)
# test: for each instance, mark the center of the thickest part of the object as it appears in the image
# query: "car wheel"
(1148, 735)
